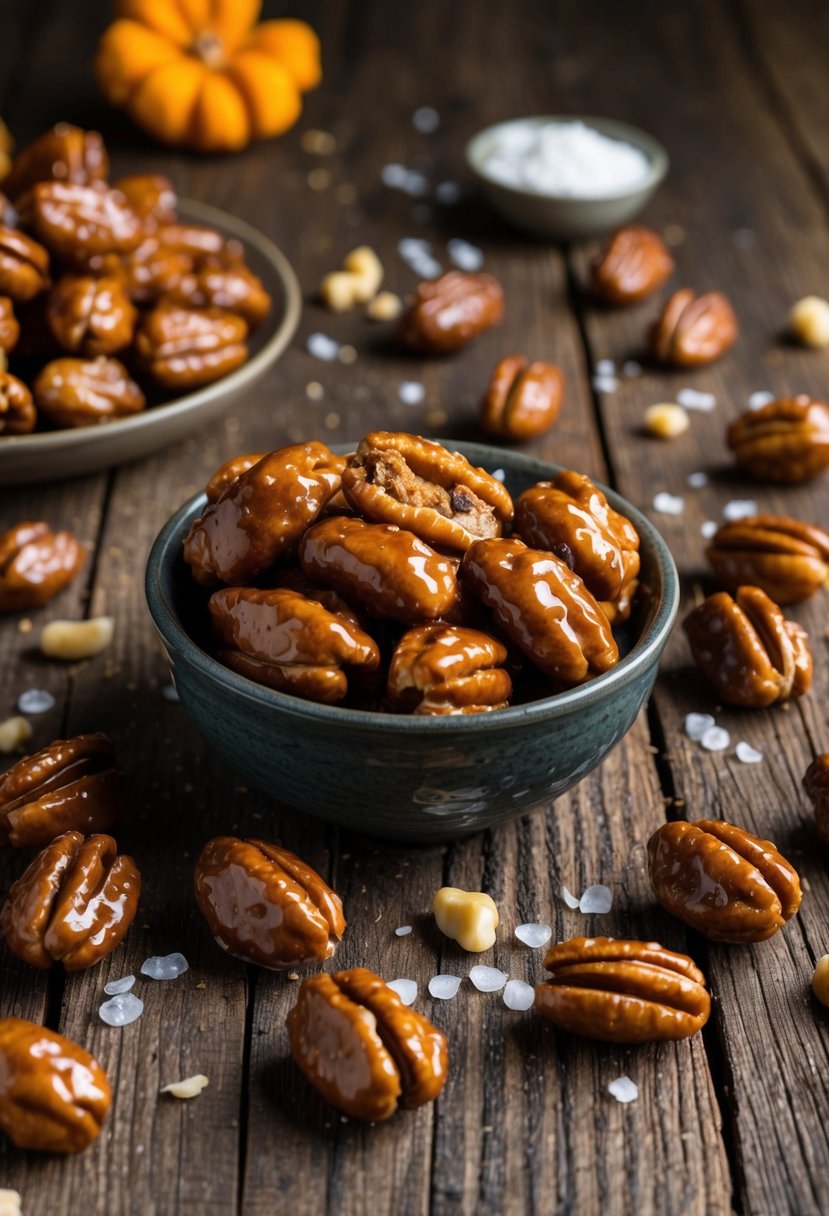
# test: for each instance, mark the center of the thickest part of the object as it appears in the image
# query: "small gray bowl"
(560, 217)
(417, 780)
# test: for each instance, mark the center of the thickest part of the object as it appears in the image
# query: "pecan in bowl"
(523, 399)
(90, 316)
(18, 415)
(787, 559)
(24, 266)
(64, 153)
(448, 669)
(86, 392)
(9, 325)
(816, 785)
(35, 565)
(151, 196)
(693, 330)
(217, 283)
(186, 348)
(450, 311)
(786, 441)
(265, 905)
(76, 222)
(622, 991)
(747, 650)
(360, 1046)
(722, 881)
(631, 267)
(230, 471)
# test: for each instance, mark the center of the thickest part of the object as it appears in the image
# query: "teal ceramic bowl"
(417, 780)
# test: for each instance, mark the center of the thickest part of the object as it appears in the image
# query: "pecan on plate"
(9, 326)
(360, 1046)
(70, 785)
(90, 316)
(786, 441)
(722, 881)
(747, 650)
(785, 558)
(523, 399)
(54, 1095)
(571, 517)
(265, 905)
(152, 197)
(35, 564)
(283, 640)
(402, 479)
(450, 311)
(86, 392)
(73, 904)
(230, 471)
(622, 991)
(544, 607)
(186, 348)
(24, 265)
(216, 283)
(816, 785)
(64, 154)
(693, 329)
(18, 415)
(76, 222)
(384, 569)
(631, 267)
(447, 669)
(261, 514)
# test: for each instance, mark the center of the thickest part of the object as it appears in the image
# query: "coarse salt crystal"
(748, 754)
(121, 1010)
(394, 175)
(519, 996)
(739, 508)
(708, 528)
(411, 392)
(499, 474)
(697, 724)
(715, 739)
(487, 979)
(605, 384)
(668, 504)
(402, 930)
(597, 900)
(405, 989)
(757, 400)
(416, 184)
(426, 120)
(165, 966)
(697, 480)
(444, 987)
(569, 898)
(170, 693)
(534, 935)
(116, 987)
(322, 347)
(623, 1089)
(693, 399)
(190, 1087)
(464, 255)
(447, 193)
(426, 268)
(35, 701)
(606, 367)
(631, 368)
(412, 247)
(566, 159)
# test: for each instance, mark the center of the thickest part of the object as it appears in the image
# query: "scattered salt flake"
(623, 1090)
(170, 693)
(413, 247)
(668, 504)
(190, 1087)
(606, 367)
(117, 987)
(394, 175)
(122, 1009)
(402, 930)
(444, 987)
(426, 120)
(447, 193)
(697, 724)
(597, 899)
(757, 400)
(715, 739)
(35, 701)
(748, 754)
(405, 989)
(487, 979)
(322, 347)
(499, 474)
(165, 966)
(739, 508)
(569, 898)
(693, 399)
(697, 480)
(631, 368)
(411, 392)
(605, 384)
(464, 254)
(416, 184)
(534, 935)
(519, 996)
(708, 528)
(426, 267)
(314, 390)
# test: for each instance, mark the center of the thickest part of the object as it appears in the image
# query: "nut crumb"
(809, 321)
(15, 733)
(386, 306)
(191, 1087)
(201, 985)
(293, 975)
(24, 625)
(319, 179)
(318, 143)
(71, 640)
(820, 980)
(666, 420)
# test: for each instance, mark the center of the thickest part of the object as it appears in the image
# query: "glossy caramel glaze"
(216, 284)
(816, 785)
(450, 311)
(631, 267)
(24, 265)
(183, 348)
(63, 153)
(35, 565)
(90, 316)
(151, 196)
(523, 399)
(83, 392)
(76, 221)
(18, 415)
(785, 442)
(787, 559)
(9, 325)
(447, 669)
(230, 471)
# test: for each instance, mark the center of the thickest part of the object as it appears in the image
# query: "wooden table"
(735, 1119)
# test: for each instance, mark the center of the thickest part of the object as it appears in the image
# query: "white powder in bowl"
(565, 159)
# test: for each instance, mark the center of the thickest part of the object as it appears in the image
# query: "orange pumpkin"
(203, 74)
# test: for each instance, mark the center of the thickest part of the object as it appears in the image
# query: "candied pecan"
(85, 392)
(54, 1095)
(360, 1046)
(785, 558)
(722, 881)
(232, 287)
(447, 669)
(292, 578)
(230, 471)
(70, 785)
(279, 638)
(694, 329)
(152, 197)
(186, 348)
(146, 272)
(420, 485)
(385, 569)
(450, 311)
(90, 316)
(76, 222)
(544, 607)
(571, 516)
(199, 241)
(786, 441)
(523, 399)
(632, 266)
(73, 905)
(622, 991)
(24, 265)
(9, 327)
(816, 785)
(262, 514)
(18, 415)
(747, 650)
(35, 564)
(265, 905)
(65, 154)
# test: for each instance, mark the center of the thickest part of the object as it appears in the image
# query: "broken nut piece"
(190, 1087)
(386, 306)
(74, 640)
(809, 321)
(15, 733)
(357, 283)
(820, 980)
(666, 420)
(469, 917)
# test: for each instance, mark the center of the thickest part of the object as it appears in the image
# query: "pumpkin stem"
(208, 47)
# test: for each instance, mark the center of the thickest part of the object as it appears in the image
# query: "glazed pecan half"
(54, 1095)
(265, 905)
(622, 991)
(722, 881)
(70, 785)
(230, 471)
(75, 222)
(395, 478)
(787, 441)
(632, 266)
(24, 265)
(450, 311)
(90, 316)
(523, 399)
(186, 348)
(74, 903)
(146, 272)
(86, 392)
(816, 785)
(151, 196)
(65, 154)
(18, 415)
(262, 513)
(747, 649)
(35, 564)
(217, 284)
(447, 669)
(281, 639)
(544, 607)
(785, 558)
(694, 329)
(360, 1046)
(9, 325)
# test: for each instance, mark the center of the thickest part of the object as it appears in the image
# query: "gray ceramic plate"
(56, 454)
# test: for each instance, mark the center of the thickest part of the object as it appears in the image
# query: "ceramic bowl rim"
(617, 128)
